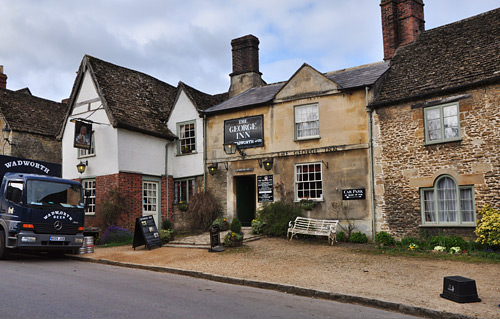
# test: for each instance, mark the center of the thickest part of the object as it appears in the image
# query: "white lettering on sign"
(57, 214)
(36, 165)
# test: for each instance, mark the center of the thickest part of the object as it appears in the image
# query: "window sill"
(443, 142)
(308, 138)
(471, 225)
(86, 156)
(89, 214)
(185, 154)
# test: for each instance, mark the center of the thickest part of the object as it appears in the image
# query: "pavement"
(202, 241)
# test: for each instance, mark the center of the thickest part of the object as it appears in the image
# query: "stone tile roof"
(133, 100)
(346, 79)
(27, 113)
(201, 100)
(444, 59)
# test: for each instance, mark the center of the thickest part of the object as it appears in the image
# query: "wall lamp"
(81, 166)
(231, 148)
(267, 163)
(212, 168)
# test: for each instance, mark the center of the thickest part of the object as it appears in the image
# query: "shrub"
(276, 217)
(222, 223)
(257, 225)
(384, 239)
(115, 234)
(166, 235)
(203, 209)
(358, 237)
(407, 241)
(235, 225)
(167, 224)
(341, 236)
(488, 227)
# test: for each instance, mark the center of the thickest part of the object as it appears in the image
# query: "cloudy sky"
(42, 42)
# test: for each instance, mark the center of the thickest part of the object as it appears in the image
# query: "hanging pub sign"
(245, 132)
(83, 135)
(349, 194)
(265, 188)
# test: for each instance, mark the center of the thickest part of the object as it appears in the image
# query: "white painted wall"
(180, 166)
(141, 153)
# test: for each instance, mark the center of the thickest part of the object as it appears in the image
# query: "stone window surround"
(442, 116)
(459, 187)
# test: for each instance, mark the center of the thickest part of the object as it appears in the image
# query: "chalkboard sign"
(350, 194)
(265, 192)
(146, 233)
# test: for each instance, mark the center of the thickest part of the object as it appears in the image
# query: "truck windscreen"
(45, 193)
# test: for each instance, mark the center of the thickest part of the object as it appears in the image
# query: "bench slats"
(316, 227)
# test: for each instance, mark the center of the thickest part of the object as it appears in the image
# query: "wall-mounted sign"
(245, 132)
(349, 194)
(242, 170)
(265, 189)
(83, 135)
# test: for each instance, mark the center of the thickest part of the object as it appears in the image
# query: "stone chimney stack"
(245, 73)
(402, 21)
(3, 78)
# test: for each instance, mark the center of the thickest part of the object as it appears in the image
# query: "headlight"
(79, 240)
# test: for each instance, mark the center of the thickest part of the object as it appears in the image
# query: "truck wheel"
(3, 250)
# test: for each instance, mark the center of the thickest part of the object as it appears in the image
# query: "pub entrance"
(245, 198)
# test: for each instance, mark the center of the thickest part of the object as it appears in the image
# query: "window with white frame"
(442, 123)
(448, 203)
(149, 197)
(306, 121)
(83, 152)
(89, 196)
(187, 137)
(183, 190)
(308, 181)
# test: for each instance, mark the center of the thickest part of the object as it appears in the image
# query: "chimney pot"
(3, 78)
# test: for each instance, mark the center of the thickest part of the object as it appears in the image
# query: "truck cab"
(40, 212)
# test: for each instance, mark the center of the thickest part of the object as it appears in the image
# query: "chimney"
(245, 73)
(402, 21)
(3, 78)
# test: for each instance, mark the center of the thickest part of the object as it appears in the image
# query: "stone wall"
(404, 164)
(34, 146)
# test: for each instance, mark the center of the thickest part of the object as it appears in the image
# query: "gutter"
(372, 173)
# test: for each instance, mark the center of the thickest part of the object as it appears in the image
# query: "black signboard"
(265, 188)
(245, 132)
(146, 233)
(83, 135)
(357, 193)
(215, 245)
(29, 166)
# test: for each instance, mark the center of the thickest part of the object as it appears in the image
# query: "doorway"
(245, 198)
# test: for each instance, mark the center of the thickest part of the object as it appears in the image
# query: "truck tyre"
(3, 250)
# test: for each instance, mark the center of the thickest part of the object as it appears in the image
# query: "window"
(306, 121)
(183, 189)
(447, 203)
(89, 196)
(308, 181)
(15, 192)
(442, 123)
(187, 138)
(150, 197)
(83, 152)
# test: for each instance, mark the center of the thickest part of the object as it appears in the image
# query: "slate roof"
(201, 100)
(27, 113)
(346, 79)
(444, 59)
(133, 100)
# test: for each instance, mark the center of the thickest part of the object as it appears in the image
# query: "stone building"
(436, 123)
(306, 139)
(29, 124)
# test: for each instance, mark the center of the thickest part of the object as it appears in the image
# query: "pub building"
(306, 139)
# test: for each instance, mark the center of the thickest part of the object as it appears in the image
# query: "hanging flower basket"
(182, 206)
(307, 204)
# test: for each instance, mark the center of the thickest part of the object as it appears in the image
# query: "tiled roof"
(202, 100)
(444, 59)
(26, 113)
(346, 79)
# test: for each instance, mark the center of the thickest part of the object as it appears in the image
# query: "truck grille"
(67, 229)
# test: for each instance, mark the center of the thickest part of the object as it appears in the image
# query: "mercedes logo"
(58, 225)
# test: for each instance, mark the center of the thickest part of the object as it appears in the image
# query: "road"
(43, 287)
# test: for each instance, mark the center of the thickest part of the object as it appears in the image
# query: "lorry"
(39, 211)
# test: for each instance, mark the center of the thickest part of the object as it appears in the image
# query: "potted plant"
(183, 206)
(234, 238)
(222, 223)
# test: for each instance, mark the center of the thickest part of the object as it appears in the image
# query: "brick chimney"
(245, 73)
(402, 21)
(3, 78)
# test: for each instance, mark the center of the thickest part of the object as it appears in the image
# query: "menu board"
(265, 190)
(146, 233)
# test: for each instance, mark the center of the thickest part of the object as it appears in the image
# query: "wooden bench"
(310, 226)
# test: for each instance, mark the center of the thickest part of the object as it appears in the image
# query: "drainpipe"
(372, 173)
(167, 182)
(204, 152)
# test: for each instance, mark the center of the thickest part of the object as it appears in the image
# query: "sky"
(42, 42)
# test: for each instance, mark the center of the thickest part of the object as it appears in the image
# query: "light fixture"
(231, 148)
(6, 132)
(212, 168)
(81, 166)
(268, 164)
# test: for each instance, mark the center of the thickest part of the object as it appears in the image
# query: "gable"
(304, 83)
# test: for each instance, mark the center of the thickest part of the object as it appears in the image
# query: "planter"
(307, 204)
